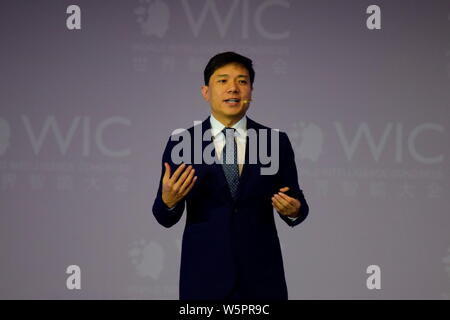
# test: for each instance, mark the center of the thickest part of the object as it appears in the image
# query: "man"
(230, 247)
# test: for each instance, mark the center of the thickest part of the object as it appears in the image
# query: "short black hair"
(224, 58)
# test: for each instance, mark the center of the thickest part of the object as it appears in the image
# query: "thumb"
(284, 189)
(166, 172)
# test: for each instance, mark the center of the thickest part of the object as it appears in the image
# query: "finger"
(285, 203)
(279, 208)
(166, 172)
(285, 189)
(183, 176)
(190, 186)
(177, 172)
(278, 205)
(187, 181)
(290, 200)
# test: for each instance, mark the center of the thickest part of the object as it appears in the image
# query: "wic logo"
(153, 17)
(308, 141)
(81, 130)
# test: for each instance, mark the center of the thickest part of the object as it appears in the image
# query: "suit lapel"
(248, 170)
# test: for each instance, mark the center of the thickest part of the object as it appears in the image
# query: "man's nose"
(233, 88)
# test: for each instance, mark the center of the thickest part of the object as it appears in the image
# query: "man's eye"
(243, 81)
(222, 81)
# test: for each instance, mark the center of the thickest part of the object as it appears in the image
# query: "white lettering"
(73, 22)
(373, 21)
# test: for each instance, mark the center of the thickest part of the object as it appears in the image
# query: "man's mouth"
(233, 101)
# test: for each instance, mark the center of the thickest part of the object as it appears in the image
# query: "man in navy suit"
(230, 247)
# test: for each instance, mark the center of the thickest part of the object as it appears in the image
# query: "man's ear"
(205, 90)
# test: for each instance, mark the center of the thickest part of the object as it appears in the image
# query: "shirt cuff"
(173, 208)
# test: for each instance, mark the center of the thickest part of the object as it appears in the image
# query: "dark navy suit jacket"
(229, 245)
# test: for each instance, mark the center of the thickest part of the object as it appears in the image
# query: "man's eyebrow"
(239, 76)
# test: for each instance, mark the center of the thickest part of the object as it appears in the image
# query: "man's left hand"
(285, 205)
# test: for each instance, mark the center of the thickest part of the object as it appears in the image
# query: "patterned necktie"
(229, 161)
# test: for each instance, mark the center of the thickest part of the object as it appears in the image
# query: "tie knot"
(228, 131)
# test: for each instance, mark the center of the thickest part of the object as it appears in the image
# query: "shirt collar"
(217, 126)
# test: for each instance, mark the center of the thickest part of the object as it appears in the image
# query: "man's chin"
(236, 114)
(231, 110)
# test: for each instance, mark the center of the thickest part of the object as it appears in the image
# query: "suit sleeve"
(288, 178)
(165, 216)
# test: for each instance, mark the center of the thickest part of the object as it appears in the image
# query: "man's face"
(228, 87)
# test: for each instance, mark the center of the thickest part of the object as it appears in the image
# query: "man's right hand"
(177, 186)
